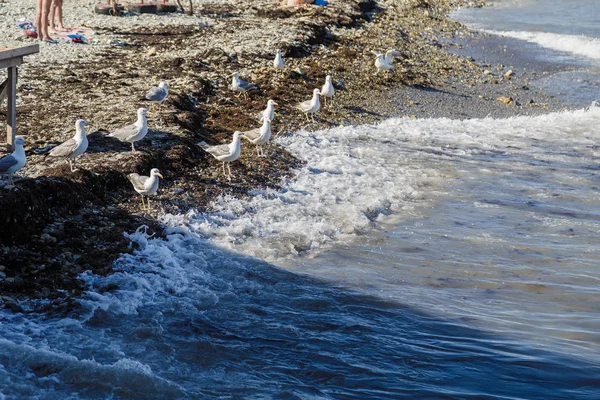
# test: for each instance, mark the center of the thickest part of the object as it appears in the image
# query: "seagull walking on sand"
(74, 147)
(145, 185)
(259, 136)
(158, 94)
(134, 132)
(240, 85)
(278, 62)
(15, 161)
(225, 152)
(269, 112)
(311, 106)
(328, 90)
(386, 63)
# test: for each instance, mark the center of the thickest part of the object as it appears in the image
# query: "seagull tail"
(203, 144)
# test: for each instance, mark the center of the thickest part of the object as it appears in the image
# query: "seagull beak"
(275, 103)
(160, 176)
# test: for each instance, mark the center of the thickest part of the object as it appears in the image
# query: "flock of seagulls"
(226, 153)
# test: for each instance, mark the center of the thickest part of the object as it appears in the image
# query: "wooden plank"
(11, 112)
(3, 91)
(11, 62)
(19, 51)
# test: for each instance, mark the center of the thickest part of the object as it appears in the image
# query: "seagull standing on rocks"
(158, 94)
(134, 132)
(259, 136)
(240, 85)
(269, 112)
(74, 147)
(278, 62)
(15, 161)
(311, 106)
(145, 185)
(225, 152)
(386, 63)
(328, 90)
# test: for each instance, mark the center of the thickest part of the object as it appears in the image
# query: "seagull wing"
(221, 150)
(7, 162)
(155, 94)
(305, 105)
(65, 149)
(125, 132)
(252, 135)
(246, 85)
(138, 181)
(389, 56)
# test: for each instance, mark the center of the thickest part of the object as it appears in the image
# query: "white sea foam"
(578, 45)
(356, 176)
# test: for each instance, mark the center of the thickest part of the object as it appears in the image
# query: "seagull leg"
(149, 208)
(143, 204)
(10, 180)
(132, 147)
(325, 100)
(257, 152)
(71, 165)
(224, 172)
(306, 115)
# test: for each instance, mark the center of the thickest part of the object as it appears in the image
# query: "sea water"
(562, 35)
(429, 258)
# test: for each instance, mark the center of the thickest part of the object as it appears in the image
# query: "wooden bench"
(11, 58)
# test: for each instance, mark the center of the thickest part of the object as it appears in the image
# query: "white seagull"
(311, 106)
(328, 90)
(387, 62)
(269, 112)
(15, 161)
(74, 147)
(278, 62)
(259, 136)
(134, 132)
(158, 94)
(240, 85)
(145, 185)
(225, 152)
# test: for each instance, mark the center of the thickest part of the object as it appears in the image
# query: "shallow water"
(417, 258)
(560, 35)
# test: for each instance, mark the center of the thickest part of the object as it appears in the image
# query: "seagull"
(15, 161)
(311, 106)
(278, 62)
(134, 132)
(259, 136)
(225, 152)
(145, 185)
(269, 112)
(328, 90)
(74, 147)
(240, 85)
(158, 94)
(387, 62)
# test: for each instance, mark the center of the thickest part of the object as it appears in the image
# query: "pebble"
(504, 99)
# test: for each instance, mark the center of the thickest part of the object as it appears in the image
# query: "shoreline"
(69, 228)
